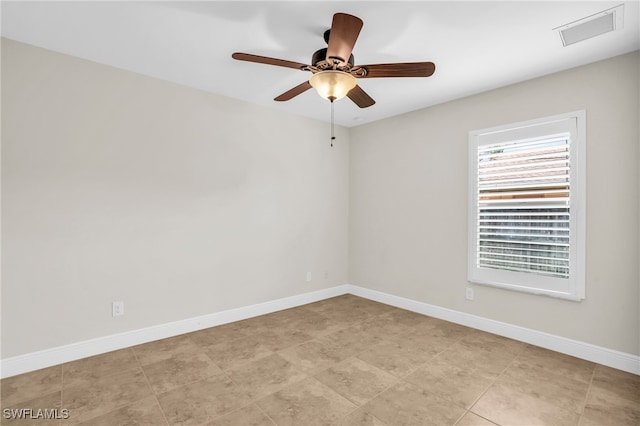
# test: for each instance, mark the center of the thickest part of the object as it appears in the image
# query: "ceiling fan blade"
(402, 69)
(360, 97)
(343, 35)
(291, 93)
(269, 61)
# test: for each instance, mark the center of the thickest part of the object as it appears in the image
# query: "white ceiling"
(476, 46)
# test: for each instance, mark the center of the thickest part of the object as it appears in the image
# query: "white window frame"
(572, 288)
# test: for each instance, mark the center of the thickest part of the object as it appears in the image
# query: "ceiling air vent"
(591, 26)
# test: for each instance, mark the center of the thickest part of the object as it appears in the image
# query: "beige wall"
(408, 203)
(117, 186)
(180, 203)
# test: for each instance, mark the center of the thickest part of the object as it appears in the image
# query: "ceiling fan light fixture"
(332, 84)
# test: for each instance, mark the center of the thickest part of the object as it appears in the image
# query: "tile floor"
(344, 361)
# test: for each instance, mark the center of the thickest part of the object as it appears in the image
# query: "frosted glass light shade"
(332, 84)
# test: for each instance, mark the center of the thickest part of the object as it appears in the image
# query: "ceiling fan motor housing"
(319, 60)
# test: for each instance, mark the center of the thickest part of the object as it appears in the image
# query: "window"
(527, 206)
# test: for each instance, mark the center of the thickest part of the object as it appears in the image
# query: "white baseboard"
(609, 357)
(61, 354)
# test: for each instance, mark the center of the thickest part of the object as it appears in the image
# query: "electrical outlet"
(308, 276)
(469, 293)
(117, 309)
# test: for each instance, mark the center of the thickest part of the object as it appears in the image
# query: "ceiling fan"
(334, 70)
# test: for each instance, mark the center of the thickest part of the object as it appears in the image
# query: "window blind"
(523, 199)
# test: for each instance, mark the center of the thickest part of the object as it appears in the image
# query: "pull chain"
(333, 136)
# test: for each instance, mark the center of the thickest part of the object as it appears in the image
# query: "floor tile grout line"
(106, 353)
(580, 415)
(414, 369)
(264, 412)
(106, 376)
(306, 376)
(475, 414)
(118, 407)
(398, 378)
(494, 381)
(589, 388)
(395, 383)
(475, 401)
(462, 416)
(252, 401)
(158, 394)
(61, 388)
(358, 406)
(255, 400)
(226, 338)
(153, 392)
(312, 375)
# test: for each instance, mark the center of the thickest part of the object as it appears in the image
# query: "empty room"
(320, 213)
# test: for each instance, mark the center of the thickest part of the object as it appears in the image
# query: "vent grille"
(592, 26)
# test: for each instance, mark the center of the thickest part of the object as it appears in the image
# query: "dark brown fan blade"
(403, 69)
(269, 61)
(343, 35)
(291, 93)
(360, 97)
